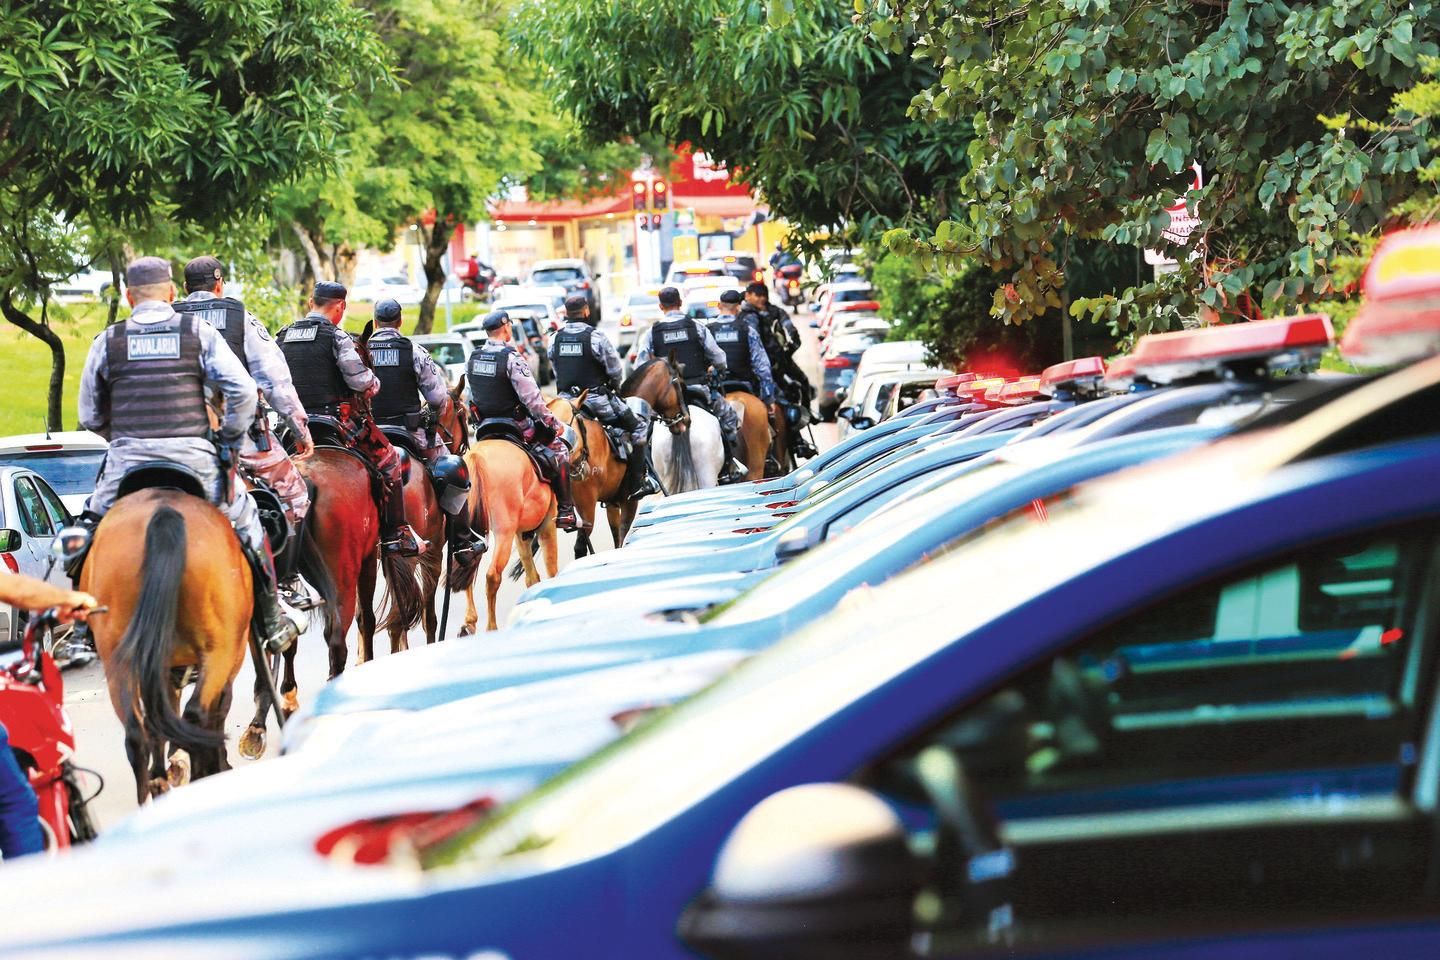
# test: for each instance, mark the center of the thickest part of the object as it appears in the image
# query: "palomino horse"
(517, 505)
(422, 509)
(188, 607)
(754, 431)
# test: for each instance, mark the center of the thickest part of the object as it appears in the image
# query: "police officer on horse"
(586, 361)
(749, 365)
(696, 352)
(502, 387)
(407, 373)
(332, 380)
(781, 340)
(143, 389)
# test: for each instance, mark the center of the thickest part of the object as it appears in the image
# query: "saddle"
(502, 428)
(404, 439)
(162, 475)
(738, 386)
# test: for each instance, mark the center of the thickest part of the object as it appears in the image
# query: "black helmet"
(387, 311)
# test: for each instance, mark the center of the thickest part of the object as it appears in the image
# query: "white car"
(641, 308)
(30, 515)
(549, 297)
(868, 404)
(683, 270)
(711, 287)
(397, 288)
(846, 324)
(571, 276)
(69, 461)
(882, 358)
(449, 350)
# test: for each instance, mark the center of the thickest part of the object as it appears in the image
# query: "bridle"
(680, 422)
(582, 466)
(462, 421)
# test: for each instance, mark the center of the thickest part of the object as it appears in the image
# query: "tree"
(790, 96)
(116, 114)
(1089, 113)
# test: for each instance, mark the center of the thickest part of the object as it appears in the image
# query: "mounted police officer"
(502, 387)
(406, 373)
(261, 456)
(781, 340)
(330, 378)
(695, 351)
(143, 389)
(585, 360)
(749, 365)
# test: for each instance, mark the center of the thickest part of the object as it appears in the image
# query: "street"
(100, 737)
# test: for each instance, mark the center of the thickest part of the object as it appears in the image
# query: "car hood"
(685, 593)
(740, 554)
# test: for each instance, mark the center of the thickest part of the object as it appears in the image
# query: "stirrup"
(405, 542)
(292, 625)
(295, 595)
(567, 521)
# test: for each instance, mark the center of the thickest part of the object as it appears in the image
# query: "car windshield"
(853, 296)
(445, 352)
(67, 471)
(643, 300)
(557, 275)
(682, 755)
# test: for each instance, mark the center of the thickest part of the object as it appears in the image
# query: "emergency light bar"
(851, 306)
(1083, 375)
(1019, 391)
(1399, 321)
(1121, 373)
(1283, 341)
(949, 382)
(976, 389)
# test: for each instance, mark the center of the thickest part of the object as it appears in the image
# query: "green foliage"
(1088, 114)
(791, 97)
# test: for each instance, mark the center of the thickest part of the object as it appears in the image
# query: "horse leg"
(289, 688)
(550, 542)
(493, 576)
(137, 749)
(627, 519)
(472, 614)
(612, 514)
(527, 558)
(365, 609)
(252, 741)
(429, 583)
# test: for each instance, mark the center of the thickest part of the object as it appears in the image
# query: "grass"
(25, 361)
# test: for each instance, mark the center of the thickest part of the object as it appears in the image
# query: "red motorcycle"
(32, 707)
(787, 279)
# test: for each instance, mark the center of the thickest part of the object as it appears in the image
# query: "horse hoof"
(178, 773)
(466, 631)
(252, 742)
(290, 702)
(159, 785)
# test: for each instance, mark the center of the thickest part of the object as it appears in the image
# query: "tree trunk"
(344, 259)
(42, 332)
(312, 254)
(436, 243)
(114, 295)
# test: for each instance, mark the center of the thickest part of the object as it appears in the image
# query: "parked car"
(742, 266)
(449, 350)
(572, 276)
(549, 298)
(866, 407)
(848, 323)
(841, 357)
(69, 460)
(397, 287)
(31, 513)
(642, 308)
(683, 270)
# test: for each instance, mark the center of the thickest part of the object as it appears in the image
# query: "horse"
(598, 473)
(189, 608)
(422, 508)
(754, 431)
(689, 456)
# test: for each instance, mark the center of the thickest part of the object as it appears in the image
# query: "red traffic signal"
(638, 200)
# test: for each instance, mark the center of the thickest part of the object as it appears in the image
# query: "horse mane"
(638, 374)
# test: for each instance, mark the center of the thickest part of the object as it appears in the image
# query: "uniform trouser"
(236, 504)
(729, 419)
(375, 447)
(278, 471)
(433, 447)
(19, 810)
(610, 409)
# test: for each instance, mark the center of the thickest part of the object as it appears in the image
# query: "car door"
(35, 523)
(1237, 761)
(60, 518)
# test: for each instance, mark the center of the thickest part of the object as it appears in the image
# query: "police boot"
(400, 539)
(640, 479)
(564, 502)
(278, 625)
(734, 471)
(73, 544)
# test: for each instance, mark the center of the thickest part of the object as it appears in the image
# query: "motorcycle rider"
(328, 370)
(143, 389)
(502, 387)
(19, 808)
(781, 340)
(695, 350)
(744, 353)
(261, 456)
(406, 373)
(585, 360)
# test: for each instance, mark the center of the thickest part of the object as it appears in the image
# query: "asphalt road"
(100, 737)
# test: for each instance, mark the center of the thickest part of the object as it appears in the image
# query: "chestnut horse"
(188, 607)
(422, 509)
(754, 431)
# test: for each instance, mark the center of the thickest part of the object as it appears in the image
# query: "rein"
(583, 468)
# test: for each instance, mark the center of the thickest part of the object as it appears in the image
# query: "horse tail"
(517, 569)
(403, 603)
(310, 561)
(142, 657)
(682, 462)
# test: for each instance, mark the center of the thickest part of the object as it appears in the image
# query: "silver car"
(31, 513)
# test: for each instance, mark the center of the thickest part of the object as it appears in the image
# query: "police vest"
(225, 314)
(732, 336)
(491, 391)
(157, 382)
(576, 365)
(309, 348)
(680, 335)
(393, 360)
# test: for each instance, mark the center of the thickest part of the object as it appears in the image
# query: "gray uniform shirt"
(431, 381)
(268, 367)
(713, 353)
(525, 386)
(600, 344)
(759, 359)
(222, 369)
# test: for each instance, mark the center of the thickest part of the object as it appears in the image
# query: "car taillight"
(373, 840)
(584, 284)
(40, 447)
(627, 320)
(781, 504)
(836, 363)
(758, 276)
(9, 559)
(794, 284)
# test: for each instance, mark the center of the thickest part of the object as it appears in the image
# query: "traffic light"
(655, 219)
(638, 198)
(661, 195)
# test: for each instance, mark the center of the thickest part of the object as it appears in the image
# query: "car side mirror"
(9, 540)
(845, 413)
(796, 541)
(816, 871)
(862, 423)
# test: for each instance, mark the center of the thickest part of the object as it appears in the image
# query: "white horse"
(690, 460)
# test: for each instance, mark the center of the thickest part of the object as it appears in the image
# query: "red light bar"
(851, 306)
(1399, 321)
(1186, 352)
(1084, 371)
(836, 363)
(1019, 391)
(42, 447)
(951, 381)
(977, 388)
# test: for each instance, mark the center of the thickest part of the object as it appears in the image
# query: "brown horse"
(188, 608)
(754, 431)
(658, 384)
(422, 509)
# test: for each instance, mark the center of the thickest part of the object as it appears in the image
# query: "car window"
(446, 353)
(33, 518)
(853, 296)
(68, 471)
(59, 515)
(1209, 757)
(557, 275)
